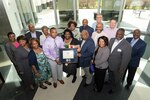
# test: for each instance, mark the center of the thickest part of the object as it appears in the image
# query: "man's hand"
(21, 73)
(79, 54)
(58, 61)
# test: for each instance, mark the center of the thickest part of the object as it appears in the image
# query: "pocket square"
(119, 50)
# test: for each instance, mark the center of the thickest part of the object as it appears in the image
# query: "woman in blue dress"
(39, 63)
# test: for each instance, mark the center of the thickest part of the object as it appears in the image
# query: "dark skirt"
(70, 68)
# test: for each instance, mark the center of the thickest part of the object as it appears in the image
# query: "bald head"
(31, 28)
(84, 34)
(136, 34)
(99, 27)
(84, 22)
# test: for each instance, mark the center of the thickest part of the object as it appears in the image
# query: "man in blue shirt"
(138, 49)
(85, 26)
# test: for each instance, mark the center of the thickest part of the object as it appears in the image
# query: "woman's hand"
(92, 61)
(37, 74)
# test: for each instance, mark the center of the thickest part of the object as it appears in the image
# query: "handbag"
(92, 68)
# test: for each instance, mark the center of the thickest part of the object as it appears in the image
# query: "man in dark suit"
(86, 53)
(86, 27)
(138, 49)
(118, 60)
(32, 33)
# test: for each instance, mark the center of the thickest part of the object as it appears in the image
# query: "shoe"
(127, 87)
(106, 82)
(61, 81)
(86, 85)
(83, 76)
(74, 79)
(48, 83)
(95, 90)
(31, 87)
(110, 91)
(55, 85)
(68, 75)
(43, 86)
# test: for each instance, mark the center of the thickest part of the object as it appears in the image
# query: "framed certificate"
(68, 55)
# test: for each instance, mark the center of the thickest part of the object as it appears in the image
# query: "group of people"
(36, 55)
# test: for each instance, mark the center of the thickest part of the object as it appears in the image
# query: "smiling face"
(72, 27)
(12, 37)
(101, 43)
(31, 28)
(34, 44)
(85, 22)
(22, 42)
(136, 34)
(99, 27)
(53, 33)
(99, 18)
(112, 24)
(67, 35)
(119, 34)
(84, 35)
(45, 31)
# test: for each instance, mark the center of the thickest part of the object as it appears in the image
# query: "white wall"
(13, 16)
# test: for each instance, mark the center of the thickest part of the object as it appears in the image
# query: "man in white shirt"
(98, 33)
(118, 60)
(32, 33)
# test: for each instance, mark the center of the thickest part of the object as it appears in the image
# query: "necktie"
(55, 47)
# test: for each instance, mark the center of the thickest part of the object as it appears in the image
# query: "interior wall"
(13, 16)
(5, 25)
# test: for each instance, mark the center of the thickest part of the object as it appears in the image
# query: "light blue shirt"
(133, 42)
(33, 35)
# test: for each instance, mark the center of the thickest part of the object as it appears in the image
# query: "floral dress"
(44, 67)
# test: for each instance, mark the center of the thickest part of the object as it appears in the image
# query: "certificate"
(68, 55)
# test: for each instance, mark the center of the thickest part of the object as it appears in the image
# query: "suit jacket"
(88, 28)
(87, 51)
(28, 35)
(120, 56)
(138, 50)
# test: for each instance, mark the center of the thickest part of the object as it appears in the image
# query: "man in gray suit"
(118, 60)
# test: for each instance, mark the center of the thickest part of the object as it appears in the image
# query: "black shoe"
(83, 76)
(127, 87)
(68, 75)
(86, 85)
(74, 79)
(110, 91)
(95, 90)
(48, 83)
(106, 82)
(43, 86)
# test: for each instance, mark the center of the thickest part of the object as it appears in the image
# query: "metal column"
(55, 12)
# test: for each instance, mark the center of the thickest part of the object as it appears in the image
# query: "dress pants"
(115, 79)
(131, 74)
(88, 75)
(99, 78)
(56, 70)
